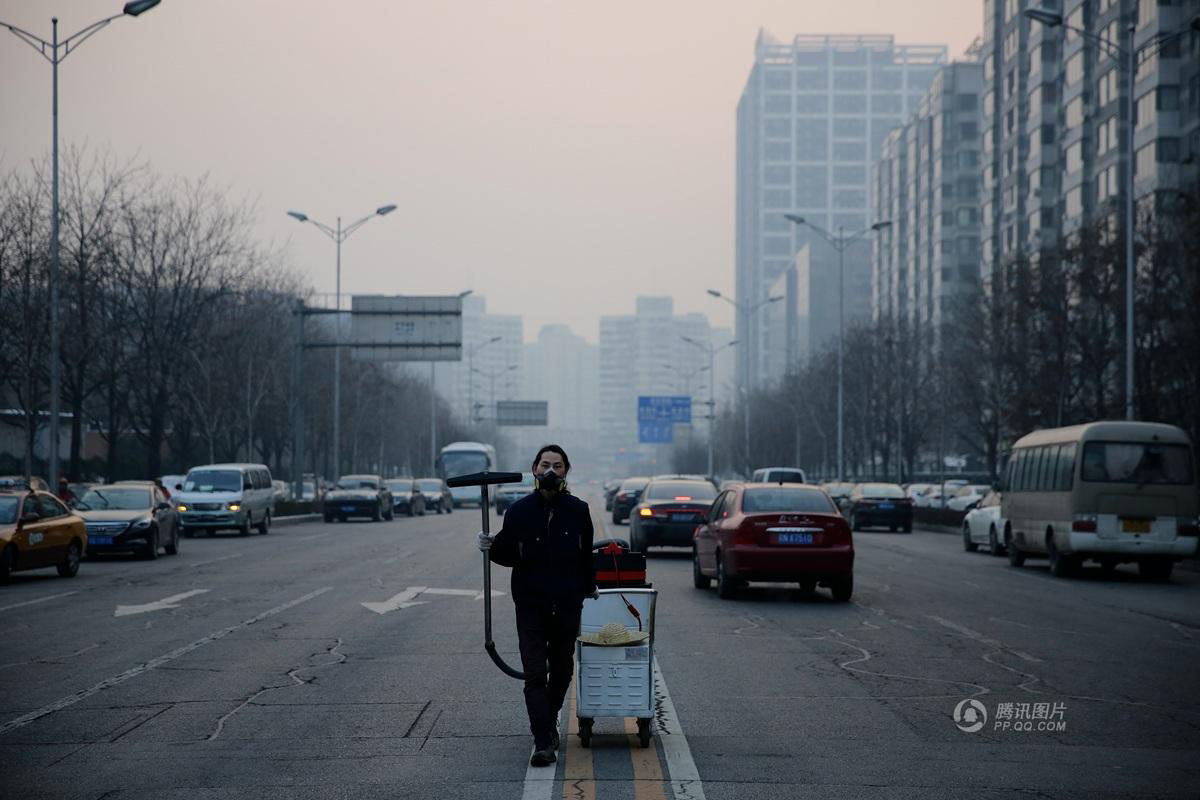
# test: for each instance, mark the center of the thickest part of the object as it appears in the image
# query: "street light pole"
(1129, 55)
(749, 310)
(712, 390)
(471, 350)
(840, 242)
(339, 235)
(55, 51)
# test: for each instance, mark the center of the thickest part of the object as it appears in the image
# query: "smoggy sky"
(558, 157)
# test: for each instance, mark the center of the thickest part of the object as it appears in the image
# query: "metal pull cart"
(616, 681)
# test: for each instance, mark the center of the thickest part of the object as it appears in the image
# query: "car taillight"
(1084, 524)
(744, 534)
(645, 512)
(1191, 528)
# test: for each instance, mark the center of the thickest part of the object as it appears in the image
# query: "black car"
(129, 516)
(358, 496)
(669, 512)
(610, 491)
(437, 495)
(627, 496)
(407, 496)
(883, 505)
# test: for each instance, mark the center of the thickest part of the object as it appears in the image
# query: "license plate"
(795, 538)
(887, 506)
(1135, 525)
(682, 517)
(347, 508)
(100, 540)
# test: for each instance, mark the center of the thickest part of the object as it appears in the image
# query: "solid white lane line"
(310, 538)
(108, 683)
(45, 599)
(539, 781)
(685, 778)
(158, 605)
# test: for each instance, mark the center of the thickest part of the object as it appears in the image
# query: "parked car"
(984, 525)
(407, 497)
(917, 491)
(312, 489)
(627, 496)
(18, 481)
(932, 497)
(223, 497)
(966, 497)
(778, 475)
(359, 496)
(437, 494)
(610, 491)
(509, 493)
(769, 532)
(129, 516)
(281, 491)
(36, 531)
(879, 505)
(668, 512)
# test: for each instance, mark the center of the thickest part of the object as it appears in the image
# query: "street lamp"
(1128, 60)
(55, 51)
(712, 396)
(471, 350)
(492, 375)
(339, 235)
(749, 310)
(433, 404)
(840, 242)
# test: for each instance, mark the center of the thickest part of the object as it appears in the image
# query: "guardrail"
(942, 517)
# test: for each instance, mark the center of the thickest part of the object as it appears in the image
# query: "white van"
(226, 497)
(779, 475)
(1106, 491)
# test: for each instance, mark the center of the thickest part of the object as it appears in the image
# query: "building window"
(850, 104)
(778, 80)
(849, 151)
(853, 176)
(779, 127)
(777, 246)
(812, 104)
(1074, 70)
(1074, 157)
(1107, 136)
(1144, 113)
(811, 79)
(777, 151)
(1106, 183)
(777, 175)
(850, 128)
(1073, 203)
(1106, 87)
(850, 79)
(1075, 112)
(778, 104)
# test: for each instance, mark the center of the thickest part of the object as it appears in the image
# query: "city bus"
(1110, 492)
(465, 458)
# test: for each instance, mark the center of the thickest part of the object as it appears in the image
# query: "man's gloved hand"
(485, 541)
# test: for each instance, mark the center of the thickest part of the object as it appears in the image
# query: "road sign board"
(664, 408)
(522, 412)
(405, 328)
(655, 432)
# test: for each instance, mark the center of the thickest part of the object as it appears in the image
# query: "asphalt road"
(345, 660)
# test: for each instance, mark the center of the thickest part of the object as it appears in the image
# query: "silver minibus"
(1110, 492)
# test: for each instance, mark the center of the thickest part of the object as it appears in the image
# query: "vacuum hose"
(482, 480)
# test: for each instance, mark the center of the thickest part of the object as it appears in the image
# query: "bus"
(1110, 492)
(465, 458)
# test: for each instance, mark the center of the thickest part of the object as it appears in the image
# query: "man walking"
(547, 540)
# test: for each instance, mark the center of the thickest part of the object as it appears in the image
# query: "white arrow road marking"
(158, 605)
(402, 600)
(407, 598)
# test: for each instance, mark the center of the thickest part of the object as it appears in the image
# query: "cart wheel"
(585, 731)
(643, 726)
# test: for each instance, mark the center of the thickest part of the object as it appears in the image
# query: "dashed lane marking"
(108, 683)
(45, 599)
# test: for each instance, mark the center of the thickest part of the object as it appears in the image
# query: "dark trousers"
(546, 633)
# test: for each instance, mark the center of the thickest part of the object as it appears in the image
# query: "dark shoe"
(542, 758)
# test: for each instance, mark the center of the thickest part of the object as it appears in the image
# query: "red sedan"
(773, 532)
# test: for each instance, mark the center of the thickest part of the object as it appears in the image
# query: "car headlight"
(141, 524)
(181, 507)
(234, 506)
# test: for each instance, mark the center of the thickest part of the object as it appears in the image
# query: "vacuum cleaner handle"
(488, 644)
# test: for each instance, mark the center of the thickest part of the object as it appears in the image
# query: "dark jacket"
(549, 546)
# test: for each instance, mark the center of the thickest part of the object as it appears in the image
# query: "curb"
(294, 519)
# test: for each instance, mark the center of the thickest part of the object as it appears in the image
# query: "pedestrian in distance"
(64, 492)
(546, 538)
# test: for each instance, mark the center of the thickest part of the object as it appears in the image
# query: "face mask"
(549, 481)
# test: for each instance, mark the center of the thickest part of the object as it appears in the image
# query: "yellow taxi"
(38, 531)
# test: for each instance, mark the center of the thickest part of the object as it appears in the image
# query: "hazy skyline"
(557, 158)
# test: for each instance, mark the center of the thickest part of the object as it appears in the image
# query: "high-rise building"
(926, 183)
(644, 353)
(1055, 125)
(810, 123)
(491, 366)
(561, 368)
